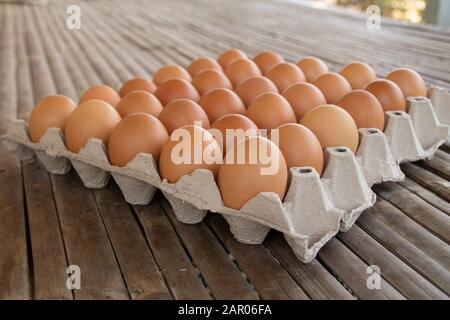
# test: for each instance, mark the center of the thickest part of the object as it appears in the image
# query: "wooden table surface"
(48, 222)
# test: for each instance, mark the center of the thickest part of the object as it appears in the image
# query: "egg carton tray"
(314, 209)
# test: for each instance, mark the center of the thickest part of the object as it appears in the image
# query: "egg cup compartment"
(440, 100)
(401, 137)
(184, 211)
(314, 209)
(135, 191)
(430, 132)
(375, 158)
(346, 185)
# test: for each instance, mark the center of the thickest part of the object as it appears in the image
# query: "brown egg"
(219, 102)
(263, 170)
(137, 133)
(364, 108)
(210, 79)
(176, 89)
(266, 60)
(312, 68)
(170, 71)
(333, 86)
(285, 74)
(249, 89)
(239, 127)
(409, 81)
(139, 102)
(358, 74)
(50, 112)
(182, 112)
(202, 64)
(270, 110)
(240, 70)
(333, 126)
(300, 147)
(229, 56)
(192, 140)
(101, 92)
(303, 97)
(137, 84)
(91, 119)
(389, 94)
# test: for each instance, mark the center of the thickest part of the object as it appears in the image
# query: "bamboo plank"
(221, 275)
(416, 208)
(352, 271)
(86, 241)
(181, 277)
(416, 258)
(270, 280)
(315, 280)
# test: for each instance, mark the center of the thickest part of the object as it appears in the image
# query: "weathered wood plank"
(14, 268)
(426, 195)
(14, 271)
(49, 256)
(431, 245)
(142, 275)
(429, 180)
(86, 241)
(438, 166)
(418, 209)
(400, 275)
(268, 277)
(353, 271)
(181, 276)
(317, 282)
(221, 275)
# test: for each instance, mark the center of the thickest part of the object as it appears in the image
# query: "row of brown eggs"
(152, 110)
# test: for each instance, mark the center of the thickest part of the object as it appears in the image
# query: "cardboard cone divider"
(315, 208)
(440, 99)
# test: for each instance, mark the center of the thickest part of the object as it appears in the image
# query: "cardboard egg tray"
(314, 209)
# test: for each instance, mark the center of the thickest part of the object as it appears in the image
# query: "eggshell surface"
(177, 157)
(176, 89)
(409, 81)
(312, 68)
(364, 108)
(249, 89)
(300, 147)
(91, 119)
(229, 56)
(241, 69)
(388, 94)
(333, 86)
(333, 126)
(285, 74)
(202, 64)
(219, 102)
(139, 102)
(50, 112)
(182, 112)
(239, 127)
(101, 92)
(270, 110)
(210, 79)
(240, 182)
(267, 59)
(170, 71)
(303, 97)
(358, 74)
(137, 133)
(137, 84)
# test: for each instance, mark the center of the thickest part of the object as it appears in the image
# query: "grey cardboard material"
(314, 208)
